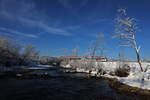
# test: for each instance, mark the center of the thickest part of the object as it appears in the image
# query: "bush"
(88, 66)
(48, 60)
(100, 67)
(64, 62)
(77, 64)
(122, 71)
(13, 54)
(9, 52)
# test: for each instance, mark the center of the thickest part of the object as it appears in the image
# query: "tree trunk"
(139, 60)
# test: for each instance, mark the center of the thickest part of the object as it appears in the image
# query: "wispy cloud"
(53, 30)
(11, 31)
(46, 28)
(73, 27)
(26, 15)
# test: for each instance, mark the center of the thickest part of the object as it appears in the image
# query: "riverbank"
(128, 73)
(60, 88)
(56, 84)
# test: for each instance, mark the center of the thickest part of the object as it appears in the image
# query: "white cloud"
(11, 31)
(46, 28)
(26, 14)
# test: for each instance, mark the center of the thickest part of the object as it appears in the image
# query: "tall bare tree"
(30, 52)
(97, 45)
(75, 51)
(126, 29)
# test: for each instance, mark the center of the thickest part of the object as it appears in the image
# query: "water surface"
(58, 86)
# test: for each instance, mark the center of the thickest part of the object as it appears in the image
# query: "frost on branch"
(126, 30)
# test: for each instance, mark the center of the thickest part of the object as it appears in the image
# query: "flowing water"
(56, 85)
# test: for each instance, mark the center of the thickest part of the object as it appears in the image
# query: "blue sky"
(57, 25)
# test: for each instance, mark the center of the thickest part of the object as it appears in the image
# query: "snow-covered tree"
(75, 51)
(126, 29)
(9, 52)
(30, 53)
(97, 45)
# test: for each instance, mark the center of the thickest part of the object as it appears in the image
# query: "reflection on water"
(59, 86)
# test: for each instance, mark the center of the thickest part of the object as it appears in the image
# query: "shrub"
(13, 54)
(99, 67)
(122, 71)
(89, 66)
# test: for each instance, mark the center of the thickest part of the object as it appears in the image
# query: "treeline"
(48, 60)
(14, 54)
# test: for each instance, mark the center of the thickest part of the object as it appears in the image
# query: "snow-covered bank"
(140, 80)
(136, 78)
(111, 66)
(19, 68)
(40, 67)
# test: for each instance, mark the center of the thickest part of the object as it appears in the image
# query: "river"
(57, 85)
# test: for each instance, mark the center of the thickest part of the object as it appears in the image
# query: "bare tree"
(94, 47)
(126, 29)
(30, 54)
(9, 52)
(12, 53)
(97, 45)
(75, 51)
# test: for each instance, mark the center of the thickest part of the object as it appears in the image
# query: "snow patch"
(136, 78)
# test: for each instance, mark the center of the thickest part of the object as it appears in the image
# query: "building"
(95, 58)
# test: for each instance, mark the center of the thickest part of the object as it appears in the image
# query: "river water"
(56, 85)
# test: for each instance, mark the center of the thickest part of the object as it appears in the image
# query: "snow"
(136, 78)
(81, 70)
(15, 68)
(144, 84)
(40, 67)
(68, 66)
(139, 80)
